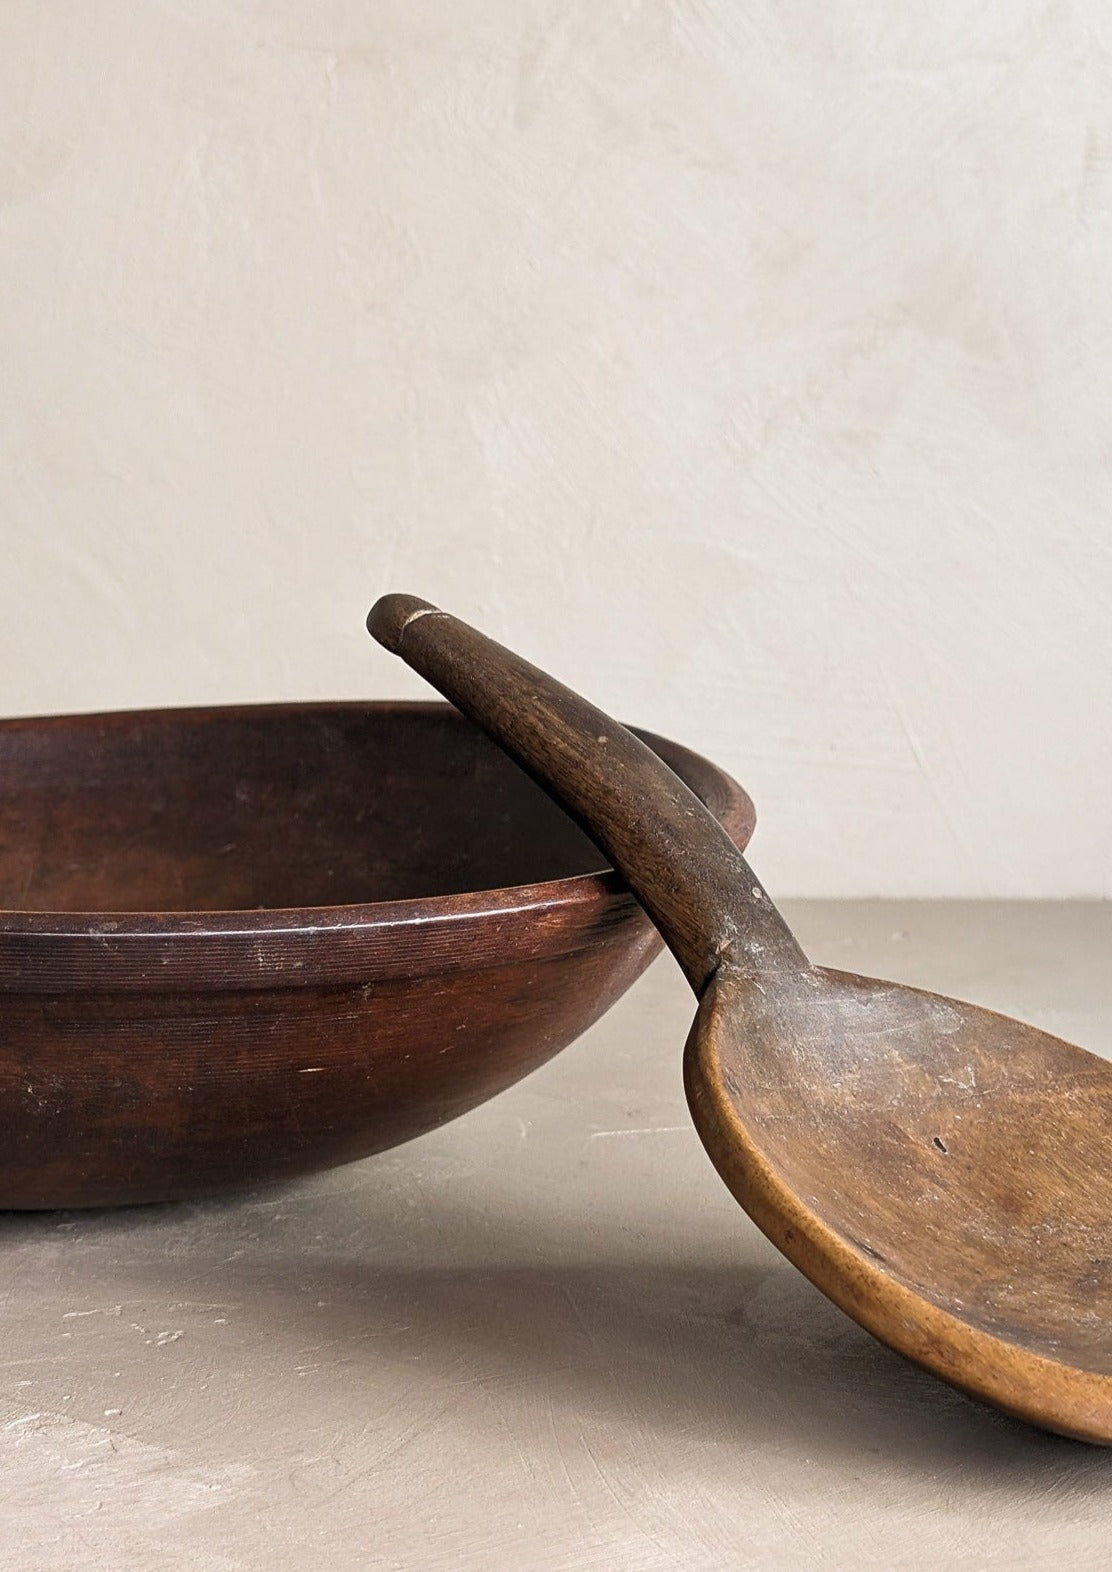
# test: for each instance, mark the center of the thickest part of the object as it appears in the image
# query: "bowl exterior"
(125, 1097)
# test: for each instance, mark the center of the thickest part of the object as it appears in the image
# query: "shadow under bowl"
(243, 943)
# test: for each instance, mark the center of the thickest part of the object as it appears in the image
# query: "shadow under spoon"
(941, 1172)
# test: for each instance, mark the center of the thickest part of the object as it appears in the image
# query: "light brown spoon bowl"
(941, 1172)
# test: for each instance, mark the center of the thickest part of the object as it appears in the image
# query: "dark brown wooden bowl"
(239, 944)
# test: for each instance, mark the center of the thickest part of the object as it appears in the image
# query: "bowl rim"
(44, 951)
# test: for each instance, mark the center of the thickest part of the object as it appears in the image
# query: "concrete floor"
(544, 1338)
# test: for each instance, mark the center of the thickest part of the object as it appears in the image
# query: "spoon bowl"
(939, 1171)
(935, 1168)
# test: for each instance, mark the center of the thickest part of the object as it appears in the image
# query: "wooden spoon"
(939, 1171)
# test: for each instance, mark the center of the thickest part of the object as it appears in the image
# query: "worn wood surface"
(941, 1172)
(240, 944)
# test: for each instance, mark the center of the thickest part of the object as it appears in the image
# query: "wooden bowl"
(239, 944)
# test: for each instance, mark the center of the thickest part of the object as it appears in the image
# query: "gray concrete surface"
(542, 1338)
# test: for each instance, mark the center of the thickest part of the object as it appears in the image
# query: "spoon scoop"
(939, 1171)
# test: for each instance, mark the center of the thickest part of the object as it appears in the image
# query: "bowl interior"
(271, 806)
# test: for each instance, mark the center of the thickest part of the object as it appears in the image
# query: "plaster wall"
(745, 363)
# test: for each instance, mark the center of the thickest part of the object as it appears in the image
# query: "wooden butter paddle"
(942, 1173)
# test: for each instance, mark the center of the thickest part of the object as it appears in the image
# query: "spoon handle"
(675, 856)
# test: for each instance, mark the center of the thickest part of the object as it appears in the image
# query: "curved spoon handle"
(675, 856)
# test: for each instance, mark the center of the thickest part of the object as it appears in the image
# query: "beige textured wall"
(748, 363)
